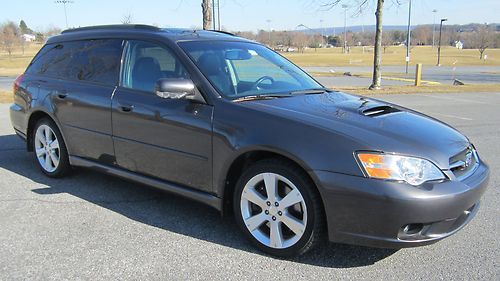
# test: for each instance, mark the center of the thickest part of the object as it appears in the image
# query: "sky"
(242, 15)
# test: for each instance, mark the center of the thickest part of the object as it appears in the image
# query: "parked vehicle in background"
(230, 123)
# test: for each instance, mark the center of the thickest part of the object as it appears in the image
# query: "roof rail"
(222, 31)
(113, 26)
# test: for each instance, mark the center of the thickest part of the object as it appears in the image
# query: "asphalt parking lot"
(93, 226)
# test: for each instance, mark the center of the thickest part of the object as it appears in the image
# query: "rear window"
(89, 60)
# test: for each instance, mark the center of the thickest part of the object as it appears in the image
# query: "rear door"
(169, 139)
(79, 78)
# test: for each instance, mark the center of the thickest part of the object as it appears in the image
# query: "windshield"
(240, 69)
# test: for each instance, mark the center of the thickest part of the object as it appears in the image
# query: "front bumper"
(388, 214)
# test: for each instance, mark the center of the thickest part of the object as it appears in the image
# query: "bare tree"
(386, 40)
(206, 8)
(422, 35)
(483, 39)
(9, 37)
(377, 55)
(127, 19)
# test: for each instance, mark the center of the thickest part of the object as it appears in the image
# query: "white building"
(459, 45)
(29, 37)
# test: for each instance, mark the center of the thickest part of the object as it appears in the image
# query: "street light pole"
(269, 30)
(408, 38)
(322, 33)
(434, 28)
(439, 46)
(64, 2)
(345, 27)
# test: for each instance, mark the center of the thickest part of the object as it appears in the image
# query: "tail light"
(17, 83)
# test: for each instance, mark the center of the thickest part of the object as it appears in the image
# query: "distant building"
(29, 37)
(459, 45)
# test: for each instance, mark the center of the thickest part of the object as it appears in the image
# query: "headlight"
(412, 170)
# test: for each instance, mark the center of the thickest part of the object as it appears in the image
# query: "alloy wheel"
(273, 210)
(47, 148)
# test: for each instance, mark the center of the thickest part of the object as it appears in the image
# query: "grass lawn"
(6, 97)
(394, 55)
(16, 63)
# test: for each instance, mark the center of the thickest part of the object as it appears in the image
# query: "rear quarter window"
(88, 60)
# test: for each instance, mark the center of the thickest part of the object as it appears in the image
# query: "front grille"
(464, 163)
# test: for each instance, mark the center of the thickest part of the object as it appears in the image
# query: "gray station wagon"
(230, 123)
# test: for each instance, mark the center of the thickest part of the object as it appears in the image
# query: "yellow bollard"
(418, 74)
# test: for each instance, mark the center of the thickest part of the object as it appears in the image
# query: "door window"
(146, 63)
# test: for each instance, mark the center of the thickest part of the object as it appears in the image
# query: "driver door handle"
(126, 108)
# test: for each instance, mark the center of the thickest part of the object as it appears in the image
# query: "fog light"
(412, 228)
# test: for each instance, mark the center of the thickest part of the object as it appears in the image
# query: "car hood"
(374, 124)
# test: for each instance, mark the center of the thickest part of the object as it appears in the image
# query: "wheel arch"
(35, 116)
(247, 157)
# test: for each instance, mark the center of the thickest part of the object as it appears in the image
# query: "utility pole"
(269, 30)
(439, 46)
(344, 6)
(64, 2)
(408, 38)
(434, 28)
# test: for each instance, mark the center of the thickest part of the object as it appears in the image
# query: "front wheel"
(278, 208)
(50, 150)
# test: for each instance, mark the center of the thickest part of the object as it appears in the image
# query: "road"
(442, 74)
(6, 83)
(93, 226)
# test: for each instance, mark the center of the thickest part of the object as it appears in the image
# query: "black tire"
(315, 227)
(63, 167)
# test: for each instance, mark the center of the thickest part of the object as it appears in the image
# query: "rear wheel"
(50, 150)
(278, 208)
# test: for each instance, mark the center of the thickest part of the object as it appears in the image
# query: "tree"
(422, 35)
(9, 37)
(483, 39)
(24, 28)
(377, 56)
(206, 8)
(127, 19)
(386, 40)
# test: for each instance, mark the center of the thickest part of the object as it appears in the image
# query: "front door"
(169, 139)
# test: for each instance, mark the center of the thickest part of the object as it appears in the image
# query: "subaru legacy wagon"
(230, 123)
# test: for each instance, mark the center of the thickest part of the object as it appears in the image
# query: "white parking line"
(455, 99)
(453, 116)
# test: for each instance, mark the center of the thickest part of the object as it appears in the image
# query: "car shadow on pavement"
(166, 211)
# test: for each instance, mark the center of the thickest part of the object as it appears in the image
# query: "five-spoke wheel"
(275, 206)
(50, 150)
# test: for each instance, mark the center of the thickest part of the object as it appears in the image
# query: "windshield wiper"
(260, 97)
(310, 91)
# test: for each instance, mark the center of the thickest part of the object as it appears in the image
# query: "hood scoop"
(379, 110)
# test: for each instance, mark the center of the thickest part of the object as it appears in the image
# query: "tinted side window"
(90, 60)
(146, 62)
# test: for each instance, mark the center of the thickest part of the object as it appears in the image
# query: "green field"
(394, 55)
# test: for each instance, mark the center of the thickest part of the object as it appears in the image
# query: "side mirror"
(178, 88)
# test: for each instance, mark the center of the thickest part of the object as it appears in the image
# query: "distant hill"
(359, 28)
